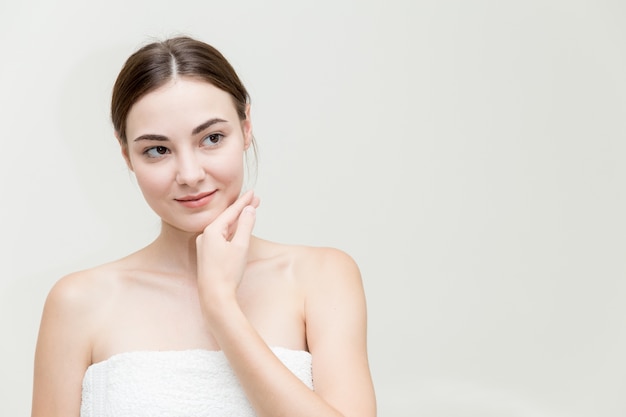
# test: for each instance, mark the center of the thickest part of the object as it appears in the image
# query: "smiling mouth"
(195, 201)
(194, 197)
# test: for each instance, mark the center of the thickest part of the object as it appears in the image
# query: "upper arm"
(63, 350)
(336, 328)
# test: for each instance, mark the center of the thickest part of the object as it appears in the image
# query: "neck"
(175, 250)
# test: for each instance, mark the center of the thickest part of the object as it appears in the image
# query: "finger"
(232, 212)
(245, 224)
(230, 229)
(199, 245)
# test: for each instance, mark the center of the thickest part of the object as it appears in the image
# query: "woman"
(207, 320)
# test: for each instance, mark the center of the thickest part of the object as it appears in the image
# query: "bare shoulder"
(336, 326)
(317, 267)
(82, 290)
(326, 266)
(64, 344)
(325, 257)
(77, 302)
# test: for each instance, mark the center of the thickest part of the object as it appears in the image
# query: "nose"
(189, 170)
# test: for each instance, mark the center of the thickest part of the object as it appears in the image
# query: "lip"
(195, 201)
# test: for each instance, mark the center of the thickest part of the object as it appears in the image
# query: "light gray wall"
(468, 154)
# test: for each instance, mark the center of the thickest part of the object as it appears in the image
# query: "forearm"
(272, 389)
(343, 386)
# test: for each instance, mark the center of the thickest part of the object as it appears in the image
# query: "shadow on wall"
(84, 118)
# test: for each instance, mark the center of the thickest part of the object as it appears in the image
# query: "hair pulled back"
(159, 62)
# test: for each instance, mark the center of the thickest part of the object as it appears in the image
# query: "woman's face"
(186, 146)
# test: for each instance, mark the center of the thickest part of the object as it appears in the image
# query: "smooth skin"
(206, 282)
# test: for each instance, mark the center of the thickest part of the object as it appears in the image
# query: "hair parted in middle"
(155, 64)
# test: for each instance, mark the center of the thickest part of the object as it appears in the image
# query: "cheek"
(152, 182)
(228, 169)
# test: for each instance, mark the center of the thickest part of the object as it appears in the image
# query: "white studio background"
(468, 154)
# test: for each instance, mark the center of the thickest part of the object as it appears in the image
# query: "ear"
(124, 149)
(246, 126)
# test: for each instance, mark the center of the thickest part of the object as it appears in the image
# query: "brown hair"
(156, 63)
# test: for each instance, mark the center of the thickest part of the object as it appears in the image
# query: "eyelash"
(149, 152)
(220, 138)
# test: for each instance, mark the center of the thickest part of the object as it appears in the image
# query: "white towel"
(190, 383)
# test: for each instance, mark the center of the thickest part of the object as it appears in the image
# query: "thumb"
(245, 224)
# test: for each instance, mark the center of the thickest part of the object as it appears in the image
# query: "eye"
(156, 151)
(213, 139)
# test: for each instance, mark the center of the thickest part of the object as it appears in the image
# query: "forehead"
(179, 104)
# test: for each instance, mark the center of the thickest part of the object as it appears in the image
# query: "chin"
(196, 226)
(195, 222)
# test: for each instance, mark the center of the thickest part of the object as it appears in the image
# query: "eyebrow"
(207, 124)
(195, 131)
(149, 136)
